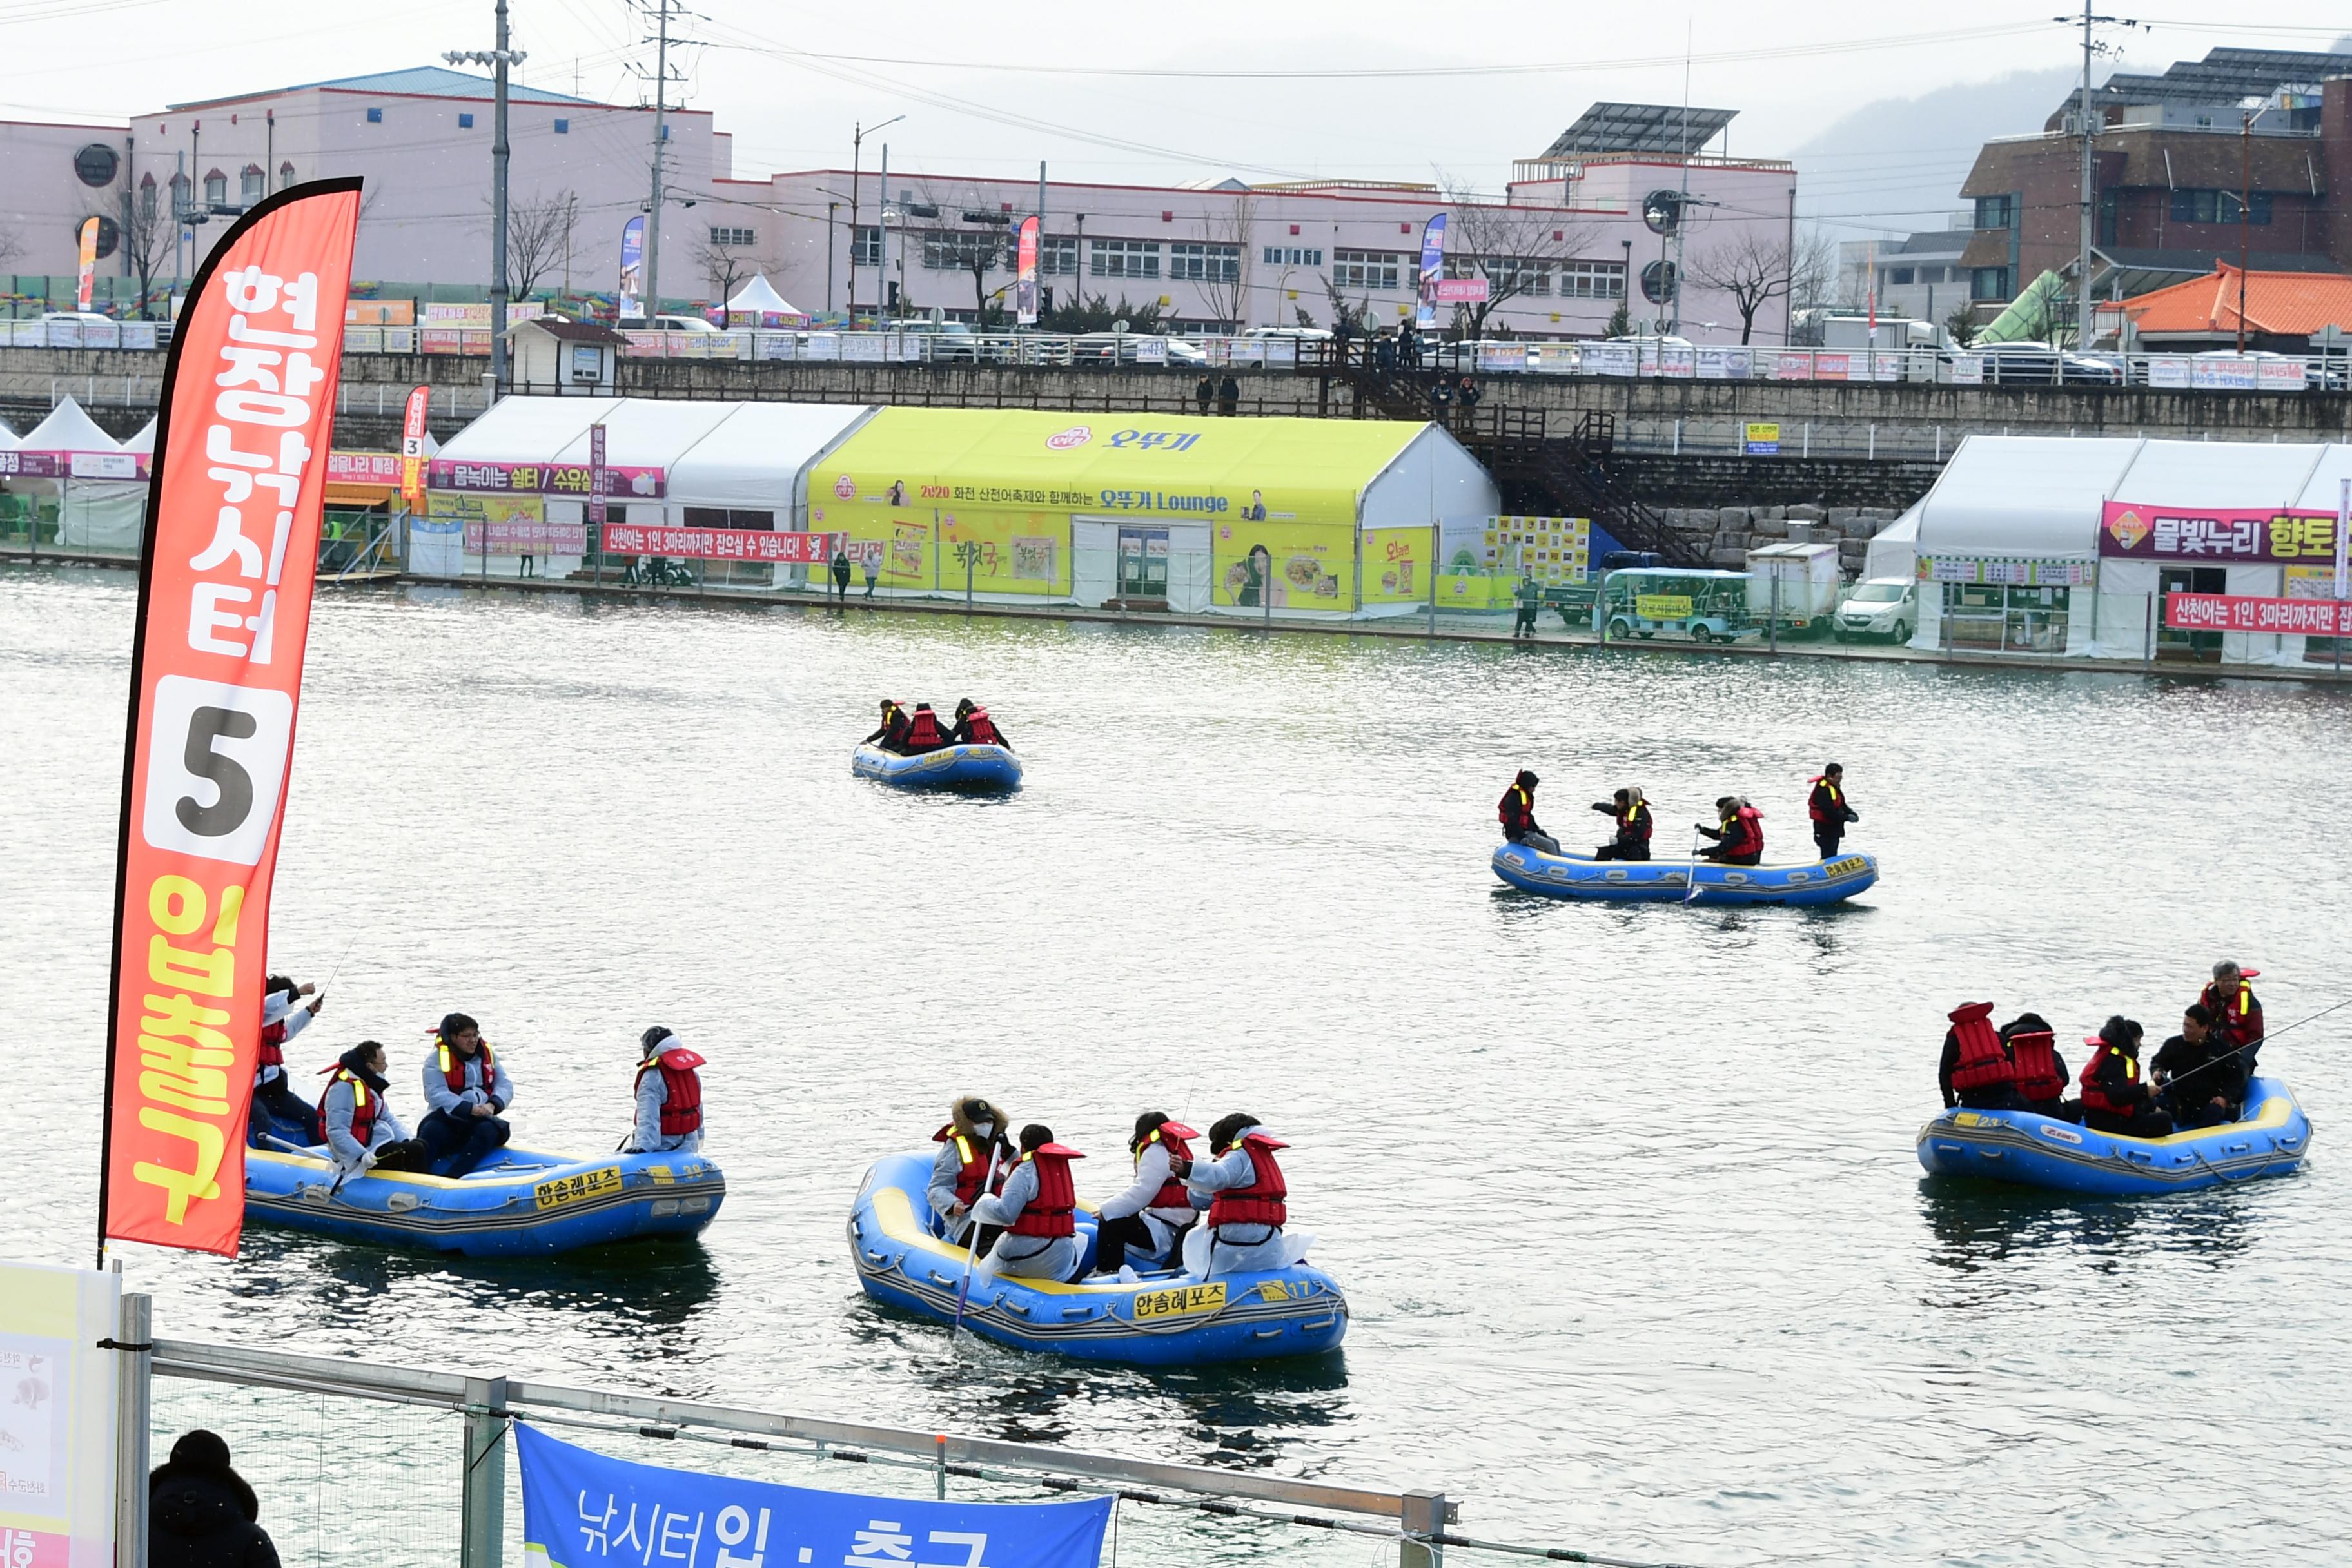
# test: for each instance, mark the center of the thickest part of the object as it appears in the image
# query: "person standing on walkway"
(841, 571)
(1529, 595)
(201, 1513)
(1829, 810)
(1205, 394)
(1229, 396)
(873, 570)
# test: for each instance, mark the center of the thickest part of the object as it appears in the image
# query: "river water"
(1624, 1199)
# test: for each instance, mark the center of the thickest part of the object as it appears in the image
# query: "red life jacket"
(1172, 1193)
(1812, 806)
(364, 1103)
(981, 729)
(452, 1066)
(2240, 1013)
(273, 1046)
(2035, 1057)
(923, 731)
(1054, 1209)
(2094, 1098)
(971, 1167)
(1634, 822)
(1516, 807)
(681, 1111)
(1744, 832)
(1260, 1203)
(1982, 1060)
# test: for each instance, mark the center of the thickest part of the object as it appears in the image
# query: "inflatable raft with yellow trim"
(1661, 881)
(2043, 1151)
(970, 768)
(517, 1204)
(1163, 1319)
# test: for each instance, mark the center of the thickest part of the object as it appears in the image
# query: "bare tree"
(724, 257)
(980, 255)
(1230, 295)
(539, 238)
(1514, 248)
(1347, 321)
(11, 246)
(1751, 268)
(149, 240)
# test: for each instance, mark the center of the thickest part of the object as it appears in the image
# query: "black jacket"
(2204, 1070)
(204, 1518)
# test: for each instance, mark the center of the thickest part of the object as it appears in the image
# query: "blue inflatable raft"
(1667, 881)
(517, 1204)
(974, 770)
(2042, 1151)
(1165, 1320)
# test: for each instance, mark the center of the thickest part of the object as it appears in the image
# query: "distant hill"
(1895, 164)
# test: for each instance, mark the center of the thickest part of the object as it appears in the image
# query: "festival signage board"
(582, 1509)
(626, 480)
(752, 544)
(2136, 530)
(2248, 613)
(225, 587)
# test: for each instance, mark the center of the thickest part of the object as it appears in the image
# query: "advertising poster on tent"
(1007, 552)
(1283, 565)
(582, 1509)
(2136, 530)
(57, 1419)
(1397, 562)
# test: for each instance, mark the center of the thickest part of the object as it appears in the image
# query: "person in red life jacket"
(923, 731)
(1517, 814)
(1829, 810)
(1634, 824)
(1249, 1204)
(2235, 1009)
(1038, 1212)
(278, 1111)
(973, 727)
(2116, 1096)
(1152, 1216)
(970, 1144)
(892, 734)
(2198, 1073)
(362, 1133)
(1739, 836)
(469, 1090)
(1976, 1070)
(2041, 1080)
(668, 1096)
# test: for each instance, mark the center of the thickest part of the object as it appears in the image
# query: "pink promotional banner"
(364, 467)
(545, 479)
(2240, 613)
(526, 536)
(2133, 530)
(723, 544)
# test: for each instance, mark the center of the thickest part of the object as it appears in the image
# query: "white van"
(1881, 608)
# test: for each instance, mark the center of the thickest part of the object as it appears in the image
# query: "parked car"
(666, 324)
(1127, 348)
(1881, 608)
(2030, 363)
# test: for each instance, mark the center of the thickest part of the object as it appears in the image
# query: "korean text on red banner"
(722, 544)
(216, 673)
(2245, 612)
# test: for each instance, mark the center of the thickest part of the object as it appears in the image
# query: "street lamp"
(500, 60)
(856, 148)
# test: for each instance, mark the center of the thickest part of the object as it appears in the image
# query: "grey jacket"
(338, 1107)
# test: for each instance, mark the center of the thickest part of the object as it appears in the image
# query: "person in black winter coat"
(201, 1513)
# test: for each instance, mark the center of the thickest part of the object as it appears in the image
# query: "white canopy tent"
(145, 441)
(101, 502)
(1895, 550)
(759, 300)
(2017, 520)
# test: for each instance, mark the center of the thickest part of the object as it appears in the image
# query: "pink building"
(421, 139)
(51, 178)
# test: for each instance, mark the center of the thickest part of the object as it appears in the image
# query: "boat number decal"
(1845, 867)
(1182, 1301)
(660, 1174)
(1273, 1290)
(2063, 1135)
(1970, 1119)
(572, 1189)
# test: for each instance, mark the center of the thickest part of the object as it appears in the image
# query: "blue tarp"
(582, 1509)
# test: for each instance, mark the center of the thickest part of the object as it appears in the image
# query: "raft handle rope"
(1073, 1484)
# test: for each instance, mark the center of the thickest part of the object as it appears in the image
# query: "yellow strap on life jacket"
(964, 1148)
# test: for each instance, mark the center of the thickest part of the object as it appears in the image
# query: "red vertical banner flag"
(88, 255)
(233, 514)
(412, 448)
(1025, 258)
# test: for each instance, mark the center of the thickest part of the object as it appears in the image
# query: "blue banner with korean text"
(580, 1509)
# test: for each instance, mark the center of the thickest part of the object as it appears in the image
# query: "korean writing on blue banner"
(582, 1509)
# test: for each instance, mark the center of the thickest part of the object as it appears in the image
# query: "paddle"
(987, 1185)
(1690, 872)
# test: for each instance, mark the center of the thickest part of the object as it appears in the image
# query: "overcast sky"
(1113, 91)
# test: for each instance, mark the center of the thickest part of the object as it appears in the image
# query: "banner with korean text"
(722, 544)
(1025, 260)
(580, 1509)
(233, 514)
(2245, 613)
(2246, 536)
(57, 1423)
(413, 418)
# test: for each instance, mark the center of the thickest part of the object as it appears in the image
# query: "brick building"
(2231, 152)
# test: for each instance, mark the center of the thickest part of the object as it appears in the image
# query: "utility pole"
(500, 61)
(2082, 259)
(661, 133)
(2245, 202)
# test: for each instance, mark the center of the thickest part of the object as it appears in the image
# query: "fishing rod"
(2255, 1044)
(963, 1291)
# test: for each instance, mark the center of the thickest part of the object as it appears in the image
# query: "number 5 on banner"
(215, 761)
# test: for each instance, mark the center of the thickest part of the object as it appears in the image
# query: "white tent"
(756, 300)
(145, 441)
(1894, 549)
(102, 503)
(2009, 538)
